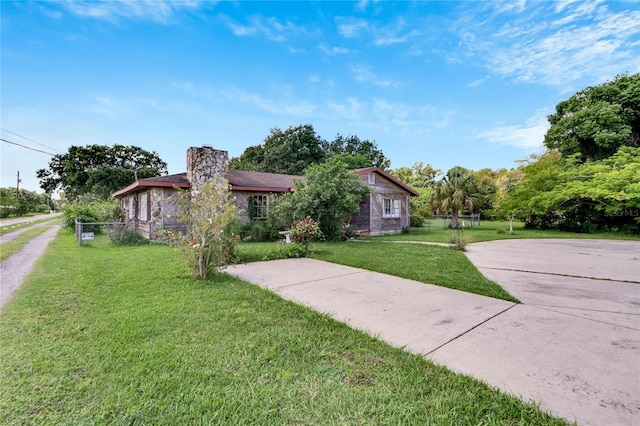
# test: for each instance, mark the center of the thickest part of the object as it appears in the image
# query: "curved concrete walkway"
(579, 357)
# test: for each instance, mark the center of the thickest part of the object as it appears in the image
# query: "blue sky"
(466, 83)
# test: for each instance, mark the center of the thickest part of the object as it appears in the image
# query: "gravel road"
(10, 236)
(15, 268)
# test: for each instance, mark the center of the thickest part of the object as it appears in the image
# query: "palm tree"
(454, 192)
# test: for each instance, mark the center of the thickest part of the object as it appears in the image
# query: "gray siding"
(381, 189)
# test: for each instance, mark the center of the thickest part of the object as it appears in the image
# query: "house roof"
(240, 180)
(367, 170)
(244, 180)
(178, 180)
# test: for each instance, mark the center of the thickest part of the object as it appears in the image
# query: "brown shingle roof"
(244, 180)
(240, 180)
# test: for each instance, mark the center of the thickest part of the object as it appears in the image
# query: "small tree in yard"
(210, 214)
(329, 194)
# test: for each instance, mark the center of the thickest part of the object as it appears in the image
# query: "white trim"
(143, 200)
(390, 208)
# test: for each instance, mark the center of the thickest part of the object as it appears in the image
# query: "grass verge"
(11, 228)
(437, 265)
(489, 231)
(11, 247)
(103, 334)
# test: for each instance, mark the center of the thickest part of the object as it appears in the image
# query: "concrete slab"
(584, 371)
(420, 317)
(610, 301)
(604, 259)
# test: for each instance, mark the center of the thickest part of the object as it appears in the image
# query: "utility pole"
(18, 187)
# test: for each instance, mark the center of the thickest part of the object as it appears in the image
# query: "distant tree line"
(20, 202)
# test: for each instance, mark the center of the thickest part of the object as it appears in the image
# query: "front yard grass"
(101, 334)
(489, 231)
(429, 264)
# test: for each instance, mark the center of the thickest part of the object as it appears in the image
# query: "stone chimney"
(204, 164)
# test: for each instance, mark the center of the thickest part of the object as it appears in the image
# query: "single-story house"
(150, 204)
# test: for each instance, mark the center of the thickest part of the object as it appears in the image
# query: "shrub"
(416, 221)
(83, 213)
(458, 241)
(120, 235)
(92, 211)
(305, 231)
(259, 231)
(286, 251)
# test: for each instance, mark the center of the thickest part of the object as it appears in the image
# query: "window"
(143, 206)
(131, 208)
(260, 206)
(391, 208)
(372, 178)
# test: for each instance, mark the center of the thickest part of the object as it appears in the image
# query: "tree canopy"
(456, 191)
(329, 194)
(356, 147)
(99, 169)
(292, 150)
(597, 121)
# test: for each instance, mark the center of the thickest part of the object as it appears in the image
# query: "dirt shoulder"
(15, 269)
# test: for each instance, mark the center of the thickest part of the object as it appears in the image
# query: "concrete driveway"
(573, 345)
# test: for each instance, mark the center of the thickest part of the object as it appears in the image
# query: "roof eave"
(260, 189)
(141, 185)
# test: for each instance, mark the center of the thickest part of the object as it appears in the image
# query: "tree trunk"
(454, 221)
(510, 225)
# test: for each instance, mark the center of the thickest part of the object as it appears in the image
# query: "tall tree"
(422, 178)
(453, 193)
(598, 120)
(290, 151)
(419, 175)
(353, 145)
(99, 169)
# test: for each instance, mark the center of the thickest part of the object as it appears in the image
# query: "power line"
(27, 147)
(30, 140)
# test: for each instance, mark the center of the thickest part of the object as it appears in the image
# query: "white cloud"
(334, 50)
(274, 106)
(390, 39)
(582, 41)
(365, 75)
(154, 10)
(528, 136)
(272, 28)
(478, 82)
(351, 27)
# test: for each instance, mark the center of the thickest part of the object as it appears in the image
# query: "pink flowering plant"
(305, 231)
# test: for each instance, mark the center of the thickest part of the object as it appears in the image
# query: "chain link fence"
(86, 231)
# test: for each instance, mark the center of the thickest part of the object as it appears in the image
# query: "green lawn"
(425, 263)
(488, 231)
(101, 334)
